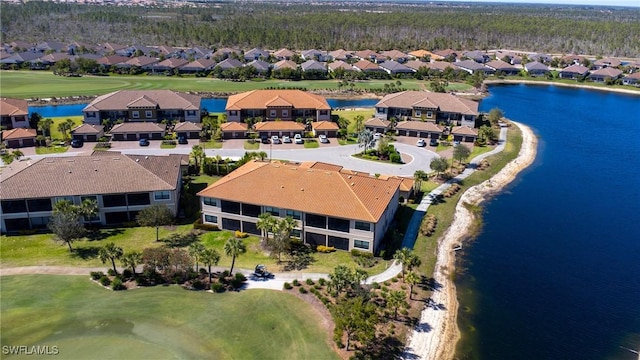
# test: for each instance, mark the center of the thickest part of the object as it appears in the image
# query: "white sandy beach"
(437, 333)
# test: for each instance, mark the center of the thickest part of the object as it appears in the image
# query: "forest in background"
(597, 31)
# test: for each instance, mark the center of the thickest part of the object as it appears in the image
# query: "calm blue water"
(555, 272)
(212, 105)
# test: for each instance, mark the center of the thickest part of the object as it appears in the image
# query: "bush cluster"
(452, 190)
(428, 225)
(102, 145)
(118, 285)
(287, 286)
(104, 280)
(325, 249)
(96, 275)
(241, 235)
(206, 227)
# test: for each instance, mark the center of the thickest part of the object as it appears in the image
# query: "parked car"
(377, 136)
(298, 139)
(144, 142)
(286, 139)
(77, 143)
(264, 140)
(456, 142)
(323, 139)
(182, 140)
(433, 142)
(421, 143)
(275, 139)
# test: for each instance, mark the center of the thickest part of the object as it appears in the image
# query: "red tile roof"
(13, 107)
(260, 99)
(19, 133)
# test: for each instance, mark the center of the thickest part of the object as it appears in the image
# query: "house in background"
(200, 65)
(367, 66)
(277, 104)
(188, 130)
(331, 206)
(327, 128)
(536, 69)
(472, 67)
(283, 54)
(87, 132)
(122, 185)
(378, 125)
(143, 105)
(133, 131)
(427, 106)
(19, 137)
(14, 113)
(632, 79)
(234, 130)
(278, 128)
(421, 129)
(500, 66)
(573, 72)
(605, 74)
(395, 68)
(464, 134)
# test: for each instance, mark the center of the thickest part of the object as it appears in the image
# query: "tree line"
(383, 26)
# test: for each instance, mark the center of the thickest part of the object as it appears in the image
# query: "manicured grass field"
(43, 84)
(86, 321)
(57, 135)
(56, 149)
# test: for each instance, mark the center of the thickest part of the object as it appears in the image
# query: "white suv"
(298, 139)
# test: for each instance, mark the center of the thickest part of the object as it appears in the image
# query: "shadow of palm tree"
(101, 234)
(85, 253)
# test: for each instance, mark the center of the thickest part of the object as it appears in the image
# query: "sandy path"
(436, 335)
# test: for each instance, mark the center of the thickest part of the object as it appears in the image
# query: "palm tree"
(196, 250)
(132, 260)
(395, 299)
(412, 279)
(407, 258)
(17, 154)
(89, 208)
(210, 257)
(62, 127)
(45, 126)
(110, 252)
(266, 223)
(365, 139)
(197, 154)
(217, 159)
(234, 247)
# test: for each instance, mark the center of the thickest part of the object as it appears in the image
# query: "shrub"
(375, 285)
(296, 282)
(118, 285)
(309, 282)
(241, 277)
(110, 272)
(105, 281)
(102, 145)
(198, 285)
(203, 271)
(169, 142)
(127, 274)
(387, 283)
(395, 158)
(287, 286)
(302, 290)
(241, 235)
(237, 283)
(395, 280)
(206, 227)
(357, 253)
(96, 275)
(325, 249)
(317, 286)
(225, 273)
(217, 287)
(322, 281)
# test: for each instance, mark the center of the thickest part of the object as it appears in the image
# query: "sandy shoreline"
(438, 333)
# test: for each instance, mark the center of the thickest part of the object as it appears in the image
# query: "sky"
(634, 3)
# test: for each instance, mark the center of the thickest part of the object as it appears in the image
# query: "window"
(296, 233)
(62, 198)
(338, 224)
(272, 210)
(361, 244)
(316, 221)
(139, 199)
(272, 113)
(114, 200)
(211, 219)
(294, 214)
(13, 207)
(233, 113)
(285, 113)
(148, 114)
(162, 195)
(36, 205)
(191, 112)
(210, 201)
(90, 114)
(230, 207)
(338, 242)
(429, 114)
(40, 222)
(418, 112)
(363, 226)
(135, 114)
(230, 224)
(324, 112)
(251, 210)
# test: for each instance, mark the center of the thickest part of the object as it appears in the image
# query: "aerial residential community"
(262, 199)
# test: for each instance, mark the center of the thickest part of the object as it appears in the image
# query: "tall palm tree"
(110, 252)
(407, 258)
(217, 159)
(196, 250)
(45, 126)
(266, 223)
(234, 247)
(412, 279)
(210, 257)
(89, 208)
(17, 154)
(132, 260)
(198, 155)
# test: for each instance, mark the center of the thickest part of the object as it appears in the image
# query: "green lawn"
(43, 84)
(43, 150)
(57, 135)
(255, 145)
(86, 321)
(311, 143)
(211, 144)
(168, 146)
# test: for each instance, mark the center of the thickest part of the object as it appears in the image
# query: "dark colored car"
(265, 140)
(144, 142)
(433, 142)
(77, 143)
(182, 140)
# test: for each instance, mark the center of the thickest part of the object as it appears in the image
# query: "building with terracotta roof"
(19, 137)
(378, 125)
(234, 130)
(464, 133)
(14, 113)
(421, 129)
(143, 105)
(605, 74)
(331, 206)
(87, 132)
(327, 128)
(573, 72)
(278, 128)
(137, 130)
(188, 130)
(277, 104)
(122, 185)
(427, 106)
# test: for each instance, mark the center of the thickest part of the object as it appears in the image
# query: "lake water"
(211, 105)
(555, 271)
